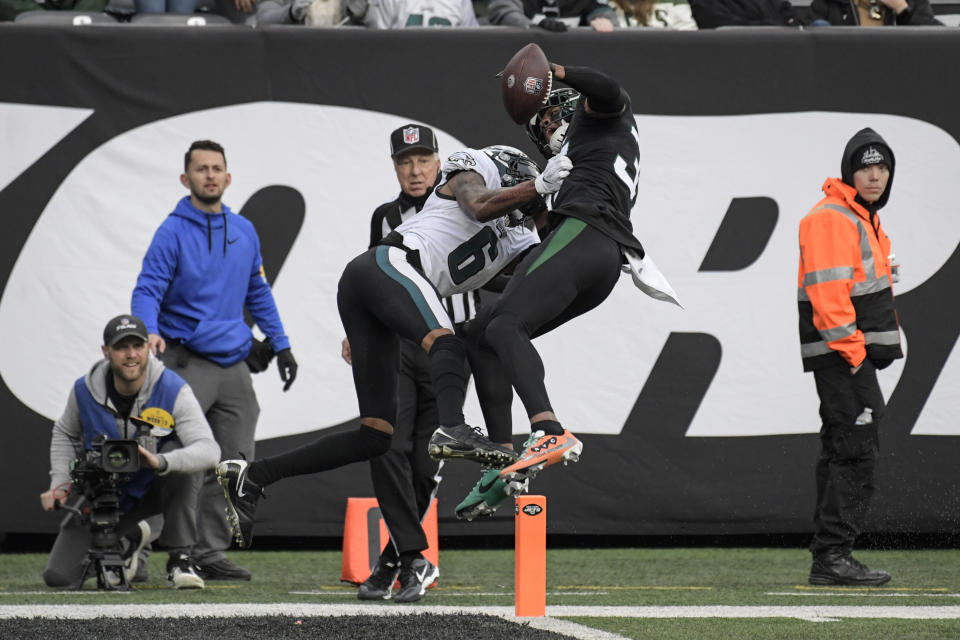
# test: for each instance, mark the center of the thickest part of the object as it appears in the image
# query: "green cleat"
(485, 497)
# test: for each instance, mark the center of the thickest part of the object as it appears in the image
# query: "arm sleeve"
(603, 93)
(66, 442)
(261, 304)
(198, 450)
(507, 13)
(376, 224)
(829, 248)
(159, 266)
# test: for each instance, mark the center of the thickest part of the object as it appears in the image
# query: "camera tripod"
(105, 555)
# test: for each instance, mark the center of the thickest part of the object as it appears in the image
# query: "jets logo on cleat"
(544, 446)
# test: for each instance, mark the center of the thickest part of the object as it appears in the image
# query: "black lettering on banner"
(467, 260)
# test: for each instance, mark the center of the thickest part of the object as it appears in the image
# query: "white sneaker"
(137, 540)
(182, 573)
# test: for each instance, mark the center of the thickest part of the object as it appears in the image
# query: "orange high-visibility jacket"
(843, 290)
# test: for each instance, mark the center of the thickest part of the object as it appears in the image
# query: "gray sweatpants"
(227, 398)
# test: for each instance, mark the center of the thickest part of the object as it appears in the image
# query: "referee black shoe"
(468, 443)
(415, 578)
(242, 495)
(379, 586)
(839, 568)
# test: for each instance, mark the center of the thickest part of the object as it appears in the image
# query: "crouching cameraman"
(121, 398)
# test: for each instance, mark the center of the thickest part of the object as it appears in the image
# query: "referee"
(405, 477)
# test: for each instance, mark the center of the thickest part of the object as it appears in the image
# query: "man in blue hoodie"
(201, 270)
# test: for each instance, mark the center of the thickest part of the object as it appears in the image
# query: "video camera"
(99, 475)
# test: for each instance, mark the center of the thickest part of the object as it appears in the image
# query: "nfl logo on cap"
(411, 135)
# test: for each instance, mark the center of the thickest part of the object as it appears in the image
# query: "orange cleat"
(539, 452)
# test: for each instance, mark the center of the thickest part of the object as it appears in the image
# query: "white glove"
(558, 168)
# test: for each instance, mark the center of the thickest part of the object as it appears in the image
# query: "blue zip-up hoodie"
(198, 274)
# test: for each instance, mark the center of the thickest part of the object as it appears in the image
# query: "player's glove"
(261, 353)
(558, 167)
(552, 24)
(287, 366)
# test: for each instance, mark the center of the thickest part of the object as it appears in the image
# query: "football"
(525, 83)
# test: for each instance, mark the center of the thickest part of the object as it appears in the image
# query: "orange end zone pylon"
(530, 543)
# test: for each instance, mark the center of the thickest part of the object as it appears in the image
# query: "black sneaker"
(182, 572)
(415, 577)
(379, 586)
(844, 569)
(469, 443)
(223, 570)
(242, 496)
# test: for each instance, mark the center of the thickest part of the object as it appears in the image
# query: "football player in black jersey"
(577, 265)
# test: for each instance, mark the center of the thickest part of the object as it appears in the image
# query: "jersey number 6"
(467, 260)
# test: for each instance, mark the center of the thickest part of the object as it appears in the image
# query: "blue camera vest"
(98, 420)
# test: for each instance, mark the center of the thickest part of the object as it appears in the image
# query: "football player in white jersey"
(459, 252)
(462, 238)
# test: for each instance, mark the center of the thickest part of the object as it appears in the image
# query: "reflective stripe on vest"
(871, 284)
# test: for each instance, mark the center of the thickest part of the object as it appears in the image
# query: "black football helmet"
(515, 168)
(566, 99)
(514, 165)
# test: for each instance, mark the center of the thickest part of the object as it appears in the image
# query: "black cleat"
(469, 443)
(379, 586)
(415, 577)
(242, 495)
(844, 569)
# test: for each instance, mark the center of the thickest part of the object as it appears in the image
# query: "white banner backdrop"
(80, 263)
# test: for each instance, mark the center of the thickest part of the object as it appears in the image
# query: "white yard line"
(818, 613)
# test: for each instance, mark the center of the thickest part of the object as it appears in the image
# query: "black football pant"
(568, 274)
(382, 297)
(405, 477)
(848, 455)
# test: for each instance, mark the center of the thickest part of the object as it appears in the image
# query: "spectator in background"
(848, 330)
(553, 15)
(10, 9)
(671, 14)
(874, 13)
(289, 12)
(127, 383)
(201, 270)
(711, 14)
(165, 6)
(398, 14)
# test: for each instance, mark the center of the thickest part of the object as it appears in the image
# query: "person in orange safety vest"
(848, 330)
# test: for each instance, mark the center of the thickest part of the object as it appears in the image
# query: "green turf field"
(698, 593)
